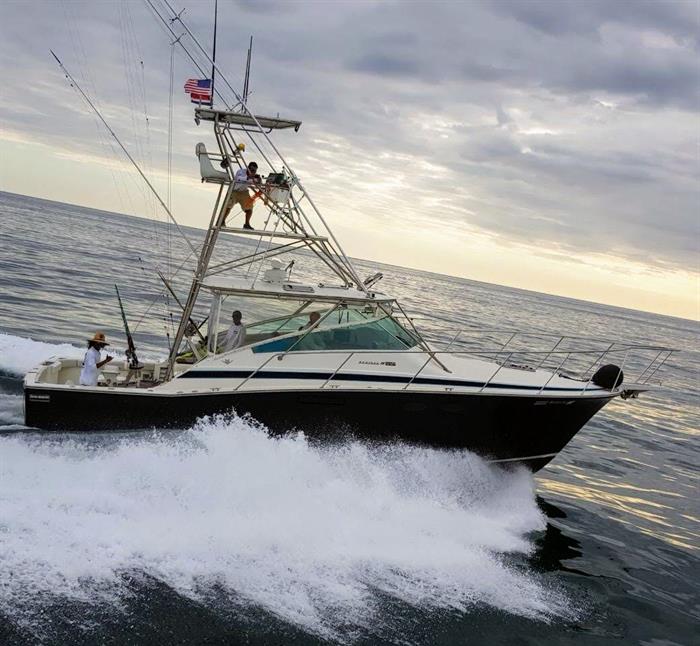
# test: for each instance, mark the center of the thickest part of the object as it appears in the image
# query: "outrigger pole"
(74, 83)
(179, 302)
(213, 52)
(246, 81)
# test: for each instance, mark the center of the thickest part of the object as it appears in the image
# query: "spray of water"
(320, 536)
(19, 355)
(10, 411)
(310, 534)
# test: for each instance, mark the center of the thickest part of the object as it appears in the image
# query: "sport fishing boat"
(338, 356)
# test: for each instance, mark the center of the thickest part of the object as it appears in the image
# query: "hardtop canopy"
(293, 291)
(242, 119)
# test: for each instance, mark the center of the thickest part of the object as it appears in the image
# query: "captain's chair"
(209, 173)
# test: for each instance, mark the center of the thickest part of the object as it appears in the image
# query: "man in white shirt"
(243, 178)
(235, 336)
(93, 361)
(314, 317)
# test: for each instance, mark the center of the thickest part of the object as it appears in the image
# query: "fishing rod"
(196, 327)
(131, 348)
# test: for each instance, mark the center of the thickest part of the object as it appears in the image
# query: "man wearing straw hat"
(93, 361)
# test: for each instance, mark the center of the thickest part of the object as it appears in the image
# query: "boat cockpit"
(66, 372)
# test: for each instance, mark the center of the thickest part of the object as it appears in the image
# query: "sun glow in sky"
(531, 167)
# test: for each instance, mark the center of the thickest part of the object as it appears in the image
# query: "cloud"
(385, 65)
(568, 126)
(678, 18)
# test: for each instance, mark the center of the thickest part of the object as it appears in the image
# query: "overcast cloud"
(568, 125)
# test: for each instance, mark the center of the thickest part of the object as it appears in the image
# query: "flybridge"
(288, 290)
(245, 120)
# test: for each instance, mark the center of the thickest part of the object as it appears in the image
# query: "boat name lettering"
(39, 398)
(377, 363)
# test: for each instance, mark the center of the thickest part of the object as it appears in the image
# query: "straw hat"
(99, 338)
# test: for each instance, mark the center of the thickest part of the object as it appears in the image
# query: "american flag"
(199, 90)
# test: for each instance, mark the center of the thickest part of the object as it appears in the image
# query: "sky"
(551, 146)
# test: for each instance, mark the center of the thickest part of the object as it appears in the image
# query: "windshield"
(285, 324)
(356, 331)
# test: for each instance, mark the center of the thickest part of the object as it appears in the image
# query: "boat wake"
(10, 412)
(320, 537)
(18, 355)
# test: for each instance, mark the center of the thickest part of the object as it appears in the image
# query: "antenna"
(246, 80)
(213, 53)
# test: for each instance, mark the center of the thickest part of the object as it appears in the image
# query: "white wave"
(314, 535)
(11, 411)
(18, 355)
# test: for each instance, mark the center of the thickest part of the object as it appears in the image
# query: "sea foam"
(11, 411)
(18, 355)
(318, 536)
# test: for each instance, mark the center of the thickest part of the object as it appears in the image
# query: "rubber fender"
(608, 377)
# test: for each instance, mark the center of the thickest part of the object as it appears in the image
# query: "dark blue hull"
(526, 429)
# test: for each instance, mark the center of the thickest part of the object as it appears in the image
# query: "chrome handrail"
(502, 363)
(415, 376)
(554, 372)
(325, 383)
(665, 359)
(595, 361)
(556, 345)
(651, 363)
(622, 367)
(472, 352)
(519, 331)
(257, 370)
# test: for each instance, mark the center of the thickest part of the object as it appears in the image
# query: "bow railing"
(640, 363)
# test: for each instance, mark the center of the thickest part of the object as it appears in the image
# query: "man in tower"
(243, 178)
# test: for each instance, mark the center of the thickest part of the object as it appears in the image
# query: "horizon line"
(427, 271)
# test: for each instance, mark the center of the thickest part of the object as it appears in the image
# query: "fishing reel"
(132, 360)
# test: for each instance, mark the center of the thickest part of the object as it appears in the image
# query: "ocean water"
(221, 534)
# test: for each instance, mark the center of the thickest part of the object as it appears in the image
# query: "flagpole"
(213, 54)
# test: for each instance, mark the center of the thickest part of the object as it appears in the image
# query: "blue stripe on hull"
(397, 379)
